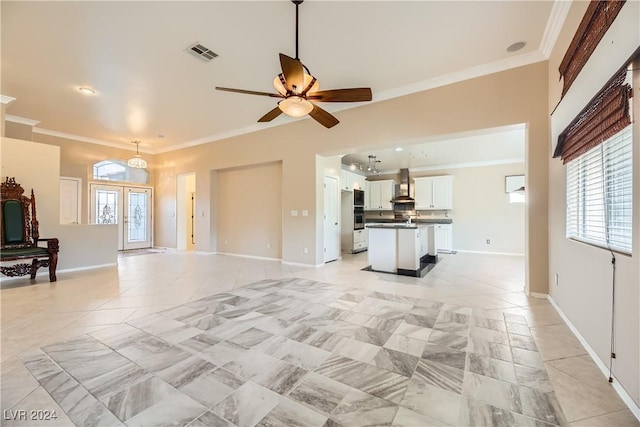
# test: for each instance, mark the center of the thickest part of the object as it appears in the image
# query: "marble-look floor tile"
(525, 357)
(319, 393)
(489, 367)
(518, 328)
(408, 418)
(542, 406)
(209, 419)
(494, 392)
(227, 378)
(482, 322)
(432, 401)
(199, 343)
(119, 336)
(177, 411)
(405, 344)
(413, 331)
(251, 363)
(445, 355)
(115, 380)
(355, 318)
(440, 375)
(395, 361)
(185, 371)
(247, 405)
(475, 413)
(489, 349)
(448, 339)
(153, 354)
(534, 378)
(521, 341)
(490, 335)
(361, 409)
(300, 354)
(281, 377)
(292, 414)
(357, 350)
(223, 352)
(207, 389)
(250, 338)
(131, 401)
(388, 323)
(372, 336)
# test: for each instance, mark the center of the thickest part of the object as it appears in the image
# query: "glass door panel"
(138, 218)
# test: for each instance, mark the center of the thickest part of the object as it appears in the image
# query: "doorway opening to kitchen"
(186, 212)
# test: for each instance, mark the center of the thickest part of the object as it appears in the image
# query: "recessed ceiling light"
(398, 149)
(86, 90)
(516, 46)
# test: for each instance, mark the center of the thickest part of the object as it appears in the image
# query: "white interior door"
(70, 200)
(331, 223)
(129, 208)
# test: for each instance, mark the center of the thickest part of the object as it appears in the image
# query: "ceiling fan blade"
(271, 115)
(293, 73)
(249, 92)
(342, 95)
(323, 117)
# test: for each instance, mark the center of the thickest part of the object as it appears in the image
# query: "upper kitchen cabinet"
(351, 181)
(378, 195)
(434, 192)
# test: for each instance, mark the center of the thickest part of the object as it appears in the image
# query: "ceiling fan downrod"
(297, 3)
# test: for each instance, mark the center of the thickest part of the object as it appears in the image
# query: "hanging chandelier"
(372, 167)
(137, 161)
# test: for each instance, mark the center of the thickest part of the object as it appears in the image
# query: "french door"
(129, 208)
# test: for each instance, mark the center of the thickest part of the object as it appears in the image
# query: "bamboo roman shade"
(607, 114)
(595, 23)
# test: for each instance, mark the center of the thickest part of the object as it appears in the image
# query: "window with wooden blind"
(599, 194)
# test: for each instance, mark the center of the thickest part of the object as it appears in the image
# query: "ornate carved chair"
(20, 236)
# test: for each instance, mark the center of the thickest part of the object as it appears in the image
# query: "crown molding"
(21, 120)
(65, 135)
(558, 15)
(485, 163)
(4, 99)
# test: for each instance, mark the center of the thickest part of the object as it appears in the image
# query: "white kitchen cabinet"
(443, 237)
(434, 192)
(360, 240)
(350, 181)
(379, 195)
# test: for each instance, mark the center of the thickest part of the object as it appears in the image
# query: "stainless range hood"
(404, 187)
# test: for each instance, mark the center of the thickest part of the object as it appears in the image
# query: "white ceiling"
(486, 147)
(133, 54)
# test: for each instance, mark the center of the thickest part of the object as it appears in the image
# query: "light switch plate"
(294, 213)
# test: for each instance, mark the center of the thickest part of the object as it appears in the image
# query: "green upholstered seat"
(24, 252)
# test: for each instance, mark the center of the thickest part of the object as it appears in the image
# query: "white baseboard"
(539, 295)
(633, 407)
(248, 256)
(299, 264)
(487, 253)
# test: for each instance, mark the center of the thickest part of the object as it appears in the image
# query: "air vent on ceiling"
(202, 52)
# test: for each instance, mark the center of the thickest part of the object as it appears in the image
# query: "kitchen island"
(401, 248)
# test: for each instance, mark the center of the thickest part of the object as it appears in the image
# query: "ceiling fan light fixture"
(295, 106)
(282, 90)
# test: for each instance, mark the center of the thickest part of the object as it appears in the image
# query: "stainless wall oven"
(358, 217)
(358, 197)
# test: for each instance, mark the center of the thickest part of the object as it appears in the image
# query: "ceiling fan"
(297, 88)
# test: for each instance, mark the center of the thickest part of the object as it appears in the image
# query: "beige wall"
(19, 131)
(37, 166)
(584, 290)
(250, 210)
(511, 97)
(481, 209)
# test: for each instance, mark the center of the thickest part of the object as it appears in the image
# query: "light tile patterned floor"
(339, 347)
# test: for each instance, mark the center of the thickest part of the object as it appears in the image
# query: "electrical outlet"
(226, 242)
(488, 241)
(556, 279)
(268, 245)
(306, 250)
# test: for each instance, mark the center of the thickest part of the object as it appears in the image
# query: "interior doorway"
(128, 207)
(186, 212)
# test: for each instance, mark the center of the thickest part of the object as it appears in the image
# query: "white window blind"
(599, 194)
